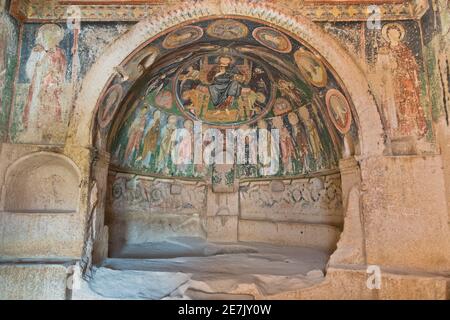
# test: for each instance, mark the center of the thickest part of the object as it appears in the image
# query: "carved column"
(222, 207)
(350, 248)
(100, 233)
(350, 176)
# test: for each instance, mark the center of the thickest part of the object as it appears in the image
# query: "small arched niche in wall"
(43, 182)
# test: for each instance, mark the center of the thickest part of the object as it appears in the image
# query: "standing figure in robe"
(4, 40)
(267, 151)
(167, 142)
(184, 156)
(184, 147)
(314, 141)
(135, 134)
(397, 60)
(287, 149)
(151, 139)
(46, 68)
(301, 140)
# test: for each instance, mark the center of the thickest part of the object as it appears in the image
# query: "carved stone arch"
(350, 74)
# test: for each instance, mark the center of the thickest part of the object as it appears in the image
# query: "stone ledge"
(40, 235)
(33, 282)
(319, 236)
(351, 284)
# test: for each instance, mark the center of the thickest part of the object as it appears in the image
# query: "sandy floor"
(189, 268)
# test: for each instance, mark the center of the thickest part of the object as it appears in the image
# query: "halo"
(232, 60)
(196, 34)
(342, 128)
(146, 57)
(302, 56)
(260, 30)
(395, 25)
(54, 29)
(109, 107)
(212, 32)
(157, 111)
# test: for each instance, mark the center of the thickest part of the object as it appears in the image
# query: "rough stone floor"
(190, 268)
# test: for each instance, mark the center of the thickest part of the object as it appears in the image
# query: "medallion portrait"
(134, 68)
(227, 29)
(109, 104)
(182, 37)
(339, 110)
(272, 39)
(311, 68)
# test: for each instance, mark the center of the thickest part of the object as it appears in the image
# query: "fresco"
(227, 29)
(53, 61)
(381, 50)
(395, 61)
(311, 68)
(351, 35)
(8, 62)
(435, 25)
(397, 65)
(43, 91)
(272, 39)
(398, 59)
(225, 74)
(182, 36)
(339, 110)
(441, 71)
(233, 89)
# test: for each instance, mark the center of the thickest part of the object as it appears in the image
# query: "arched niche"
(283, 86)
(100, 95)
(42, 182)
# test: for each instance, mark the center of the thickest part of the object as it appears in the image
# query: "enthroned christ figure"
(225, 83)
